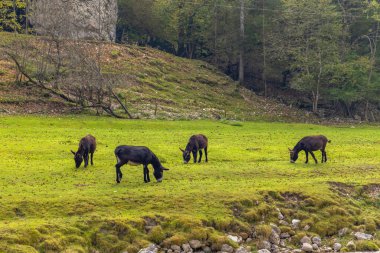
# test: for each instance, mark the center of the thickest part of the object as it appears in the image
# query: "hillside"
(156, 85)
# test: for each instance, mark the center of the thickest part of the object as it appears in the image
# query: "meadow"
(49, 206)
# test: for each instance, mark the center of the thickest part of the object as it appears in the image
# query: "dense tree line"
(326, 49)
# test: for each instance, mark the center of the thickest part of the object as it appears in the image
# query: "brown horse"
(310, 144)
(196, 143)
(86, 145)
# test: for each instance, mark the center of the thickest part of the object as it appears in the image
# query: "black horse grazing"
(310, 144)
(135, 155)
(86, 145)
(196, 143)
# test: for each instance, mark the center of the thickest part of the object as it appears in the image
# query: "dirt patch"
(293, 197)
(372, 190)
(342, 189)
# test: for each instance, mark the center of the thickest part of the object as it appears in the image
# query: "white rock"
(363, 236)
(307, 247)
(235, 238)
(186, 248)
(337, 246)
(284, 235)
(296, 223)
(284, 223)
(274, 238)
(175, 248)
(343, 232)
(306, 228)
(151, 249)
(242, 249)
(315, 246)
(263, 251)
(195, 244)
(317, 240)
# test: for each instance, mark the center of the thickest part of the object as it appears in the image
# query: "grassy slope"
(182, 88)
(46, 204)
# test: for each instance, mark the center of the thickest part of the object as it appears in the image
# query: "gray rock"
(195, 244)
(275, 228)
(337, 246)
(227, 248)
(75, 19)
(296, 251)
(175, 248)
(274, 238)
(243, 249)
(249, 239)
(315, 246)
(264, 245)
(307, 247)
(235, 238)
(363, 236)
(151, 249)
(343, 232)
(305, 239)
(317, 240)
(263, 251)
(274, 248)
(284, 235)
(282, 243)
(186, 248)
(284, 223)
(170, 251)
(206, 249)
(306, 228)
(296, 223)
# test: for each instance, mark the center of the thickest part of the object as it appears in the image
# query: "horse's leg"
(92, 156)
(119, 175)
(312, 154)
(85, 156)
(200, 156)
(206, 154)
(307, 156)
(195, 156)
(325, 155)
(146, 173)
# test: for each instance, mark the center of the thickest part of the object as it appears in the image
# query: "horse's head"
(159, 174)
(78, 158)
(186, 155)
(293, 155)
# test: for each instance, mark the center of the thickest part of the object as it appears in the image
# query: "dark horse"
(135, 155)
(310, 144)
(196, 143)
(86, 145)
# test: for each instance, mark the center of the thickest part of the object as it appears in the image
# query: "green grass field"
(49, 206)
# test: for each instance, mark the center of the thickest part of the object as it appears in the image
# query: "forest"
(317, 55)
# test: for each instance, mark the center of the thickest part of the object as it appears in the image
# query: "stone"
(175, 248)
(263, 251)
(363, 236)
(274, 248)
(275, 228)
(296, 223)
(227, 248)
(317, 240)
(306, 228)
(337, 246)
(296, 251)
(307, 247)
(305, 239)
(274, 238)
(151, 249)
(243, 249)
(342, 232)
(264, 245)
(315, 246)
(249, 239)
(282, 243)
(206, 249)
(284, 235)
(244, 236)
(186, 248)
(235, 238)
(284, 223)
(195, 244)
(75, 19)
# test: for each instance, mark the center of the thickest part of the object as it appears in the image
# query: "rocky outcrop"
(75, 19)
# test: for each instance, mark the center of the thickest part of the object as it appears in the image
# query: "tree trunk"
(241, 47)
(264, 55)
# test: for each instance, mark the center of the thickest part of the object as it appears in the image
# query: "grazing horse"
(135, 155)
(196, 143)
(86, 145)
(310, 144)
